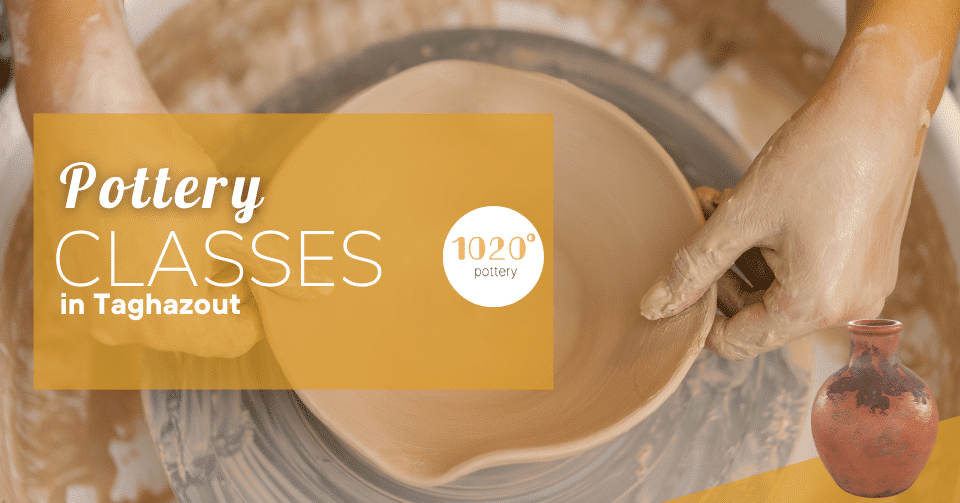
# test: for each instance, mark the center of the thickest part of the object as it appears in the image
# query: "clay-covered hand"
(825, 202)
(75, 56)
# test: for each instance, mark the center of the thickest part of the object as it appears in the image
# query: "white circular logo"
(493, 256)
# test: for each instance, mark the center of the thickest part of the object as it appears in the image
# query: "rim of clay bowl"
(570, 447)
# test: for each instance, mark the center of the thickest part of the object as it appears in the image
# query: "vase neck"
(875, 347)
(874, 341)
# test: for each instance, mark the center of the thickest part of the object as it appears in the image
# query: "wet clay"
(620, 208)
(63, 445)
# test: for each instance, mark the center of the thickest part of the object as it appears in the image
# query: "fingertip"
(654, 302)
(705, 197)
(720, 341)
(715, 335)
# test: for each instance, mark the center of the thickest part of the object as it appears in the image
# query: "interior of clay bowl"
(621, 211)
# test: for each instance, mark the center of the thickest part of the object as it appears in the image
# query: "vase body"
(874, 421)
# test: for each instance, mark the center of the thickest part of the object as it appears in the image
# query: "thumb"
(698, 265)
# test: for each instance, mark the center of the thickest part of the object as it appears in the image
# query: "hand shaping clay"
(621, 209)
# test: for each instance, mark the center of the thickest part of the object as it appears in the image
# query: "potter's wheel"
(726, 421)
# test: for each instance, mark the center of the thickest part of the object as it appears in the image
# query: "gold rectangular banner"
(293, 251)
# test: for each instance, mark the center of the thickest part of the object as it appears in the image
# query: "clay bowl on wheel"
(621, 211)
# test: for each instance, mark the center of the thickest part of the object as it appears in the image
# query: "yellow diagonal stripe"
(809, 481)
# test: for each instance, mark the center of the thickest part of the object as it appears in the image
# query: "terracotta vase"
(874, 421)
